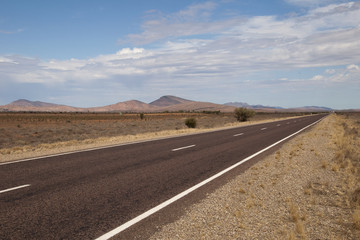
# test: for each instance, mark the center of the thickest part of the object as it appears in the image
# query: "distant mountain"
(168, 100)
(310, 109)
(37, 106)
(245, 105)
(27, 103)
(272, 108)
(127, 106)
(318, 108)
(238, 104)
(164, 103)
(198, 107)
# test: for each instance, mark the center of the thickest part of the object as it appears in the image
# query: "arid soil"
(24, 135)
(309, 189)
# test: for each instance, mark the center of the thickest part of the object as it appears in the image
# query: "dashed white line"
(153, 210)
(177, 149)
(263, 129)
(278, 125)
(14, 188)
(239, 134)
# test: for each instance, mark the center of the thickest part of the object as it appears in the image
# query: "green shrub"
(190, 122)
(243, 114)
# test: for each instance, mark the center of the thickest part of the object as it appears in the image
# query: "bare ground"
(309, 189)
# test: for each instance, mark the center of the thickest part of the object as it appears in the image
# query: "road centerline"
(239, 134)
(181, 148)
(263, 129)
(14, 188)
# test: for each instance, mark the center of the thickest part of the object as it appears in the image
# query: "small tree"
(190, 122)
(243, 114)
(142, 115)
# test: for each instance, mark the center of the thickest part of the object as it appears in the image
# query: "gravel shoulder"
(308, 189)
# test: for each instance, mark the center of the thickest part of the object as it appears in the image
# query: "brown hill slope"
(37, 106)
(198, 107)
(127, 106)
(168, 100)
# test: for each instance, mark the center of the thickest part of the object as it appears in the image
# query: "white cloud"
(353, 67)
(317, 78)
(310, 3)
(11, 32)
(330, 71)
(7, 60)
(348, 74)
(195, 20)
(130, 52)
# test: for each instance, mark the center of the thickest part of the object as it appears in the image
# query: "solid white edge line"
(177, 149)
(14, 188)
(186, 192)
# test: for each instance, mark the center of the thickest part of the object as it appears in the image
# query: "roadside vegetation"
(190, 122)
(243, 114)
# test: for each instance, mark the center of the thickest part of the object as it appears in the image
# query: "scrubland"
(24, 135)
(307, 189)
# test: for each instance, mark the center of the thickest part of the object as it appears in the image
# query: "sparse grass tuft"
(297, 218)
(294, 211)
(356, 218)
(324, 164)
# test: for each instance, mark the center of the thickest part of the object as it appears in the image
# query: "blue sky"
(86, 53)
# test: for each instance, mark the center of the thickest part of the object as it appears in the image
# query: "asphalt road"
(86, 194)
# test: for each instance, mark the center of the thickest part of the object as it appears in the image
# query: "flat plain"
(33, 134)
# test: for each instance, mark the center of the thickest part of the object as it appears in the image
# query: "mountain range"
(164, 103)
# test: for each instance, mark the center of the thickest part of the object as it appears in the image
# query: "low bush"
(190, 122)
(243, 114)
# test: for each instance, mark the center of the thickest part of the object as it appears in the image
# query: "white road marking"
(177, 149)
(288, 123)
(14, 188)
(278, 125)
(239, 134)
(186, 192)
(263, 129)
